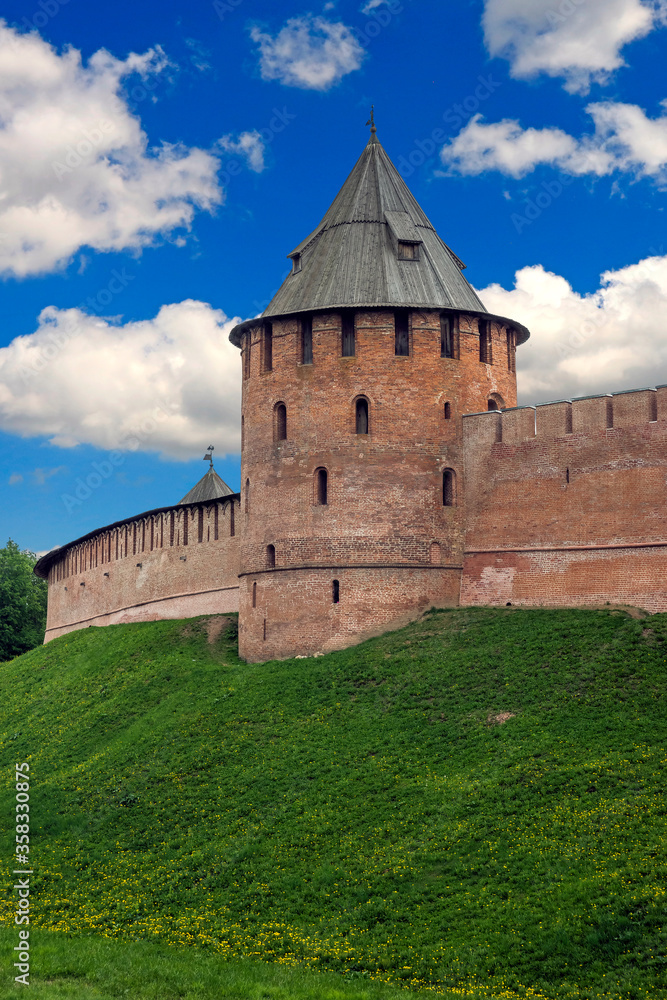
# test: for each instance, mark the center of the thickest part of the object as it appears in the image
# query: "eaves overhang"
(523, 333)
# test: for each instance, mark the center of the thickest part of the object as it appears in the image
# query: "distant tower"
(355, 380)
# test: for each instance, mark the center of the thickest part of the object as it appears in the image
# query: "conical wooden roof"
(209, 487)
(351, 258)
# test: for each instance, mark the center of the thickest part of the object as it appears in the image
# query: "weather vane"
(371, 120)
(208, 457)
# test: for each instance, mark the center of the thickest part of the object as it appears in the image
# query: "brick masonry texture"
(565, 503)
(149, 568)
(384, 532)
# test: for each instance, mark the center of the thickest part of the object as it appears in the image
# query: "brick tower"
(355, 381)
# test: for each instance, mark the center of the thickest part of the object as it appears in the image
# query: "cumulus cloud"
(75, 164)
(15, 479)
(606, 341)
(308, 52)
(625, 139)
(250, 145)
(371, 5)
(578, 40)
(160, 385)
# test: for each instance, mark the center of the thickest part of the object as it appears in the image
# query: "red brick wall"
(566, 503)
(136, 573)
(385, 508)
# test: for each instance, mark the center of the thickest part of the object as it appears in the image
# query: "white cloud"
(578, 40)
(41, 475)
(15, 479)
(75, 166)
(606, 341)
(163, 384)
(309, 52)
(371, 5)
(625, 139)
(250, 145)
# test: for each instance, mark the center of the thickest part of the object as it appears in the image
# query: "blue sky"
(158, 162)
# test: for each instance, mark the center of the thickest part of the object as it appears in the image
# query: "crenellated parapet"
(173, 562)
(566, 501)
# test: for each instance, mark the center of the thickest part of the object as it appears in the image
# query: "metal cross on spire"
(208, 457)
(371, 122)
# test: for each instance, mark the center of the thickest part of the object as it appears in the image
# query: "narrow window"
(200, 524)
(216, 518)
(270, 556)
(321, 486)
(408, 251)
(254, 595)
(134, 539)
(448, 496)
(335, 591)
(511, 350)
(246, 355)
(268, 347)
(446, 339)
(402, 333)
(362, 416)
(232, 527)
(448, 411)
(652, 407)
(485, 342)
(347, 335)
(247, 496)
(242, 432)
(435, 553)
(186, 519)
(568, 420)
(264, 631)
(567, 475)
(296, 263)
(281, 422)
(307, 340)
(171, 529)
(610, 414)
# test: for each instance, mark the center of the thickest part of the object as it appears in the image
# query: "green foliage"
(22, 602)
(473, 805)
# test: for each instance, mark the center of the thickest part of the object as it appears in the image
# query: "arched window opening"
(247, 496)
(281, 422)
(485, 341)
(448, 488)
(267, 340)
(321, 486)
(307, 340)
(495, 402)
(448, 411)
(361, 415)
(436, 557)
(335, 592)
(492, 405)
(347, 335)
(254, 595)
(402, 333)
(270, 556)
(610, 414)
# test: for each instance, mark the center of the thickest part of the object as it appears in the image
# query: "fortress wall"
(176, 563)
(384, 503)
(567, 503)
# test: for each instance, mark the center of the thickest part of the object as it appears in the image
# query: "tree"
(22, 602)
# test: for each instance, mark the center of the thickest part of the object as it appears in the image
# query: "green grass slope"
(474, 804)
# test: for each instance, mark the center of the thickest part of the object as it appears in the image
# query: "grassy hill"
(474, 804)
